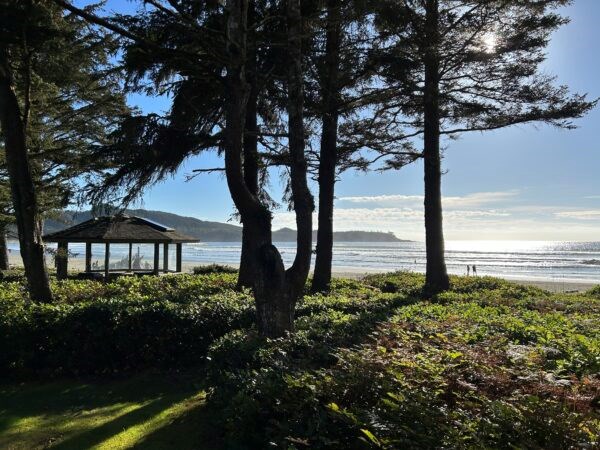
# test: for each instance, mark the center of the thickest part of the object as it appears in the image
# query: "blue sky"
(528, 182)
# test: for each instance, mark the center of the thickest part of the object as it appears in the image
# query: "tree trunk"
(328, 152)
(303, 201)
(275, 290)
(3, 249)
(245, 277)
(436, 278)
(22, 187)
(274, 312)
(264, 261)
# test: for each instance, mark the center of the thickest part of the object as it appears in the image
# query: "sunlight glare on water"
(531, 260)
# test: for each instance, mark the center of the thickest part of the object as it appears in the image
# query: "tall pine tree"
(60, 98)
(468, 65)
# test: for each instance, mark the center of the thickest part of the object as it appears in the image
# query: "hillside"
(207, 231)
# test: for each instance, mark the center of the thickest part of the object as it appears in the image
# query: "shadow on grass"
(157, 410)
(126, 428)
(358, 328)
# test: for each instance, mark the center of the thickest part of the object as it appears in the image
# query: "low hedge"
(213, 268)
(95, 328)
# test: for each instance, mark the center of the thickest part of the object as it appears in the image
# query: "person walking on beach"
(474, 270)
(468, 270)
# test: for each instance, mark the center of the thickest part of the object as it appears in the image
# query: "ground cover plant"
(488, 364)
(126, 325)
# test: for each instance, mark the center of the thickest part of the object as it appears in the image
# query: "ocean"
(518, 260)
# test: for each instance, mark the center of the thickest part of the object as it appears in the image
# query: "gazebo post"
(156, 252)
(166, 258)
(179, 252)
(88, 257)
(62, 255)
(130, 255)
(106, 260)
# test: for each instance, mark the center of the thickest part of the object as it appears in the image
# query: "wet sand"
(78, 264)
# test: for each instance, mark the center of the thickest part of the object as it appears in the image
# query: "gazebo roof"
(119, 228)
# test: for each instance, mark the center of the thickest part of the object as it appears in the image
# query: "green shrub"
(12, 275)
(175, 288)
(488, 364)
(408, 283)
(134, 330)
(213, 268)
(594, 292)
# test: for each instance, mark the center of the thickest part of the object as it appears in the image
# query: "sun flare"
(489, 42)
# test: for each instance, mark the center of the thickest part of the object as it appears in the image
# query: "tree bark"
(245, 277)
(264, 261)
(62, 260)
(436, 277)
(275, 290)
(3, 249)
(328, 151)
(22, 186)
(303, 201)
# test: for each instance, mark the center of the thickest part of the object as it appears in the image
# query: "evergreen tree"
(18, 33)
(348, 97)
(203, 55)
(60, 99)
(157, 47)
(468, 65)
(276, 290)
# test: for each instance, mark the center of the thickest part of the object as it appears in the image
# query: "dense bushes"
(130, 324)
(594, 292)
(465, 370)
(488, 364)
(12, 275)
(213, 268)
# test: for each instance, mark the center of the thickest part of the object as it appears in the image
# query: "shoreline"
(355, 273)
(554, 286)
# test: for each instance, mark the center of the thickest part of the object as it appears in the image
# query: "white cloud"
(382, 198)
(580, 214)
(481, 215)
(479, 199)
(474, 200)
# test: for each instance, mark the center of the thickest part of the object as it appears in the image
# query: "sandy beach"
(549, 285)
(78, 265)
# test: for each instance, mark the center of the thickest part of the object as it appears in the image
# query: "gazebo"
(119, 229)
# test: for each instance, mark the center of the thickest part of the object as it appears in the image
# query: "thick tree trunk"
(245, 276)
(328, 153)
(22, 187)
(275, 290)
(303, 201)
(264, 261)
(274, 311)
(436, 278)
(3, 250)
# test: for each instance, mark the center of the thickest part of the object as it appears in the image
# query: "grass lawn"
(146, 411)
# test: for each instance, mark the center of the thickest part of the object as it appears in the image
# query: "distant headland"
(207, 231)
